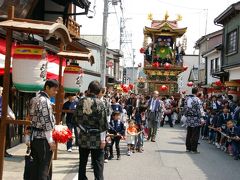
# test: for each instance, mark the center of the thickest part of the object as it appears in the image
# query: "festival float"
(163, 55)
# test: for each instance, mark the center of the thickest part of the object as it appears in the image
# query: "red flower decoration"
(163, 88)
(218, 83)
(131, 86)
(155, 64)
(167, 66)
(190, 84)
(142, 50)
(61, 134)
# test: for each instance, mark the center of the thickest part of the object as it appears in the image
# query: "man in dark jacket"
(91, 117)
(193, 111)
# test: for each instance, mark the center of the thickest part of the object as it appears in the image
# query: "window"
(217, 64)
(232, 42)
(212, 66)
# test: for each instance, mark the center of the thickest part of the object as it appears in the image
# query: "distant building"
(230, 20)
(113, 73)
(209, 47)
(191, 61)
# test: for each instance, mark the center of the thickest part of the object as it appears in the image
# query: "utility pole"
(133, 62)
(104, 44)
(125, 38)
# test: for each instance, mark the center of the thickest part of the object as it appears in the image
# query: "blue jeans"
(71, 127)
(212, 135)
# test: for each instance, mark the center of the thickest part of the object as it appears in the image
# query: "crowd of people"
(217, 121)
(101, 119)
(131, 118)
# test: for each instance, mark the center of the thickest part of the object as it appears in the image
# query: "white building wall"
(96, 66)
(189, 61)
(86, 80)
(213, 56)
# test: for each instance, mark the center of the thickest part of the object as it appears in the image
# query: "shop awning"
(82, 56)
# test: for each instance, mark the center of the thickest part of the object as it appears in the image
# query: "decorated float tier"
(163, 60)
(29, 68)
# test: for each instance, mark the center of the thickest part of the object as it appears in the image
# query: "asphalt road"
(166, 159)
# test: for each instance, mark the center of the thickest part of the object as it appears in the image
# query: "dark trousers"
(192, 138)
(71, 127)
(107, 151)
(169, 120)
(236, 148)
(212, 135)
(152, 133)
(219, 135)
(97, 156)
(42, 156)
(205, 131)
(116, 141)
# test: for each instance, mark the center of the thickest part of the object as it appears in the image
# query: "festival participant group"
(104, 120)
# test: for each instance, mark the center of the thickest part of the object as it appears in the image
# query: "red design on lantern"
(155, 64)
(167, 65)
(185, 68)
(163, 88)
(142, 50)
(190, 84)
(218, 83)
(61, 134)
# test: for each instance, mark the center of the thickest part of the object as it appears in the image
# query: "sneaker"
(110, 157)
(217, 145)
(105, 160)
(236, 158)
(129, 153)
(69, 150)
(118, 157)
(188, 150)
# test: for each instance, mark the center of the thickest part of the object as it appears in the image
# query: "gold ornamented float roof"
(164, 28)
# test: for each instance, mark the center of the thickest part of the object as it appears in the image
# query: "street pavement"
(165, 159)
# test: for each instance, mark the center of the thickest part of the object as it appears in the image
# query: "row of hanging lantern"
(29, 70)
(126, 88)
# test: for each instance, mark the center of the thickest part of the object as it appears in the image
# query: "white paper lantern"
(72, 78)
(29, 68)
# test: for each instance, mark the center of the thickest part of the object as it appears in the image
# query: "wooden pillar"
(59, 97)
(5, 97)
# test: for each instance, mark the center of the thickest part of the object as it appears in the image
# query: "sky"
(197, 15)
